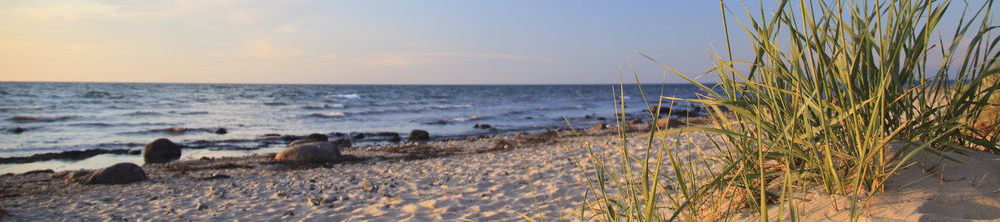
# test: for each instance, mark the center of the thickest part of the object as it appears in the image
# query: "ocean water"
(58, 117)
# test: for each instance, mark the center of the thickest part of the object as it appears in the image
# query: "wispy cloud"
(268, 50)
(410, 59)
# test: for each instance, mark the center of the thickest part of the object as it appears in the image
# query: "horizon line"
(386, 84)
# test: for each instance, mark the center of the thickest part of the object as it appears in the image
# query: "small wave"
(460, 106)
(143, 113)
(195, 113)
(348, 96)
(452, 120)
(92, 124)
(9, 109)
(328, 115)
(96, 94)
(174, 130)
(33, 119)
(324, 106)
(275, 104)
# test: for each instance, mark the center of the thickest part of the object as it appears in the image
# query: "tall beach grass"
(837, 97)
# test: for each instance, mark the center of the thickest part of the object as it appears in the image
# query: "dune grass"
(838, 97)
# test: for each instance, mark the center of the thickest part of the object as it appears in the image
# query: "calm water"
(76, 116)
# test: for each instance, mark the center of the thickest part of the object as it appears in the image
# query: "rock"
(318, 137)
(635, 122)
(482, 126)
(669, 123)
(221, 131)
(342, 143)
(65, 155)
(17, 130)
(121, 173)
(290, 138)
(76, 176)
(45, 171)
(357, 136)
(418, 135)
(338, 134)
(314, 152)
(135, 152)
(302, 141)
(598, 127)
(161, 151)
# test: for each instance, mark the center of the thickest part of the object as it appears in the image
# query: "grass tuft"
(837, 97)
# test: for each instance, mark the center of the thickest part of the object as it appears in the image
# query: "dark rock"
(38, 172)
(318, 137)
(65, 155)
(343, 143)
(135, 152)
(602, 118)
(161, 151)
(120, 173)
(482, 126)
(302, 141)
(338, 134)
(17, 130)
(357, 136)
(315, 152)
(290, 138)
(598, 127)
(76, 176)
(418, 135)
(221, 131)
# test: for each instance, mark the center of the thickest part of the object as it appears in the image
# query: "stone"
(221, 131)
(482, 126)
(121, 173)
(418, 135)
(18, 130)
(161, 151)
(318, 137)
(314, 152)
(598, 127)
(343, 143)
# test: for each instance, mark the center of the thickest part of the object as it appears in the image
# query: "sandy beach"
(474, 179)
(542, 176)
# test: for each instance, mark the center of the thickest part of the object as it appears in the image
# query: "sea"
(39, 118)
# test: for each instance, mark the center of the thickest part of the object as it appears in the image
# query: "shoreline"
(486, 178)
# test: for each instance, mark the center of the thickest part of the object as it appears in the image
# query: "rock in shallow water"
(419, 136)
(161, 151)
(121, 173)
(221, 131)
(314, 152)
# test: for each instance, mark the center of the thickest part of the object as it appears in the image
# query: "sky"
(356, 42)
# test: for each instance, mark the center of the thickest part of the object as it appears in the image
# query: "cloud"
(268, 50)
(410, 59)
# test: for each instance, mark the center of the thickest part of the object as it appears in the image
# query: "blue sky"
(355, 42)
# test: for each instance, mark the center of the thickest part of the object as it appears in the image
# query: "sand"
(478, 179)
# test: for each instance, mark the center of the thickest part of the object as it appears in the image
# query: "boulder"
(161, 151)
(418, 135)
(302, 141)
(290, 138)
(318, 137)
(343, 143)
(482, 126)
(314, 152)
(120, 173)
(221, 131)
